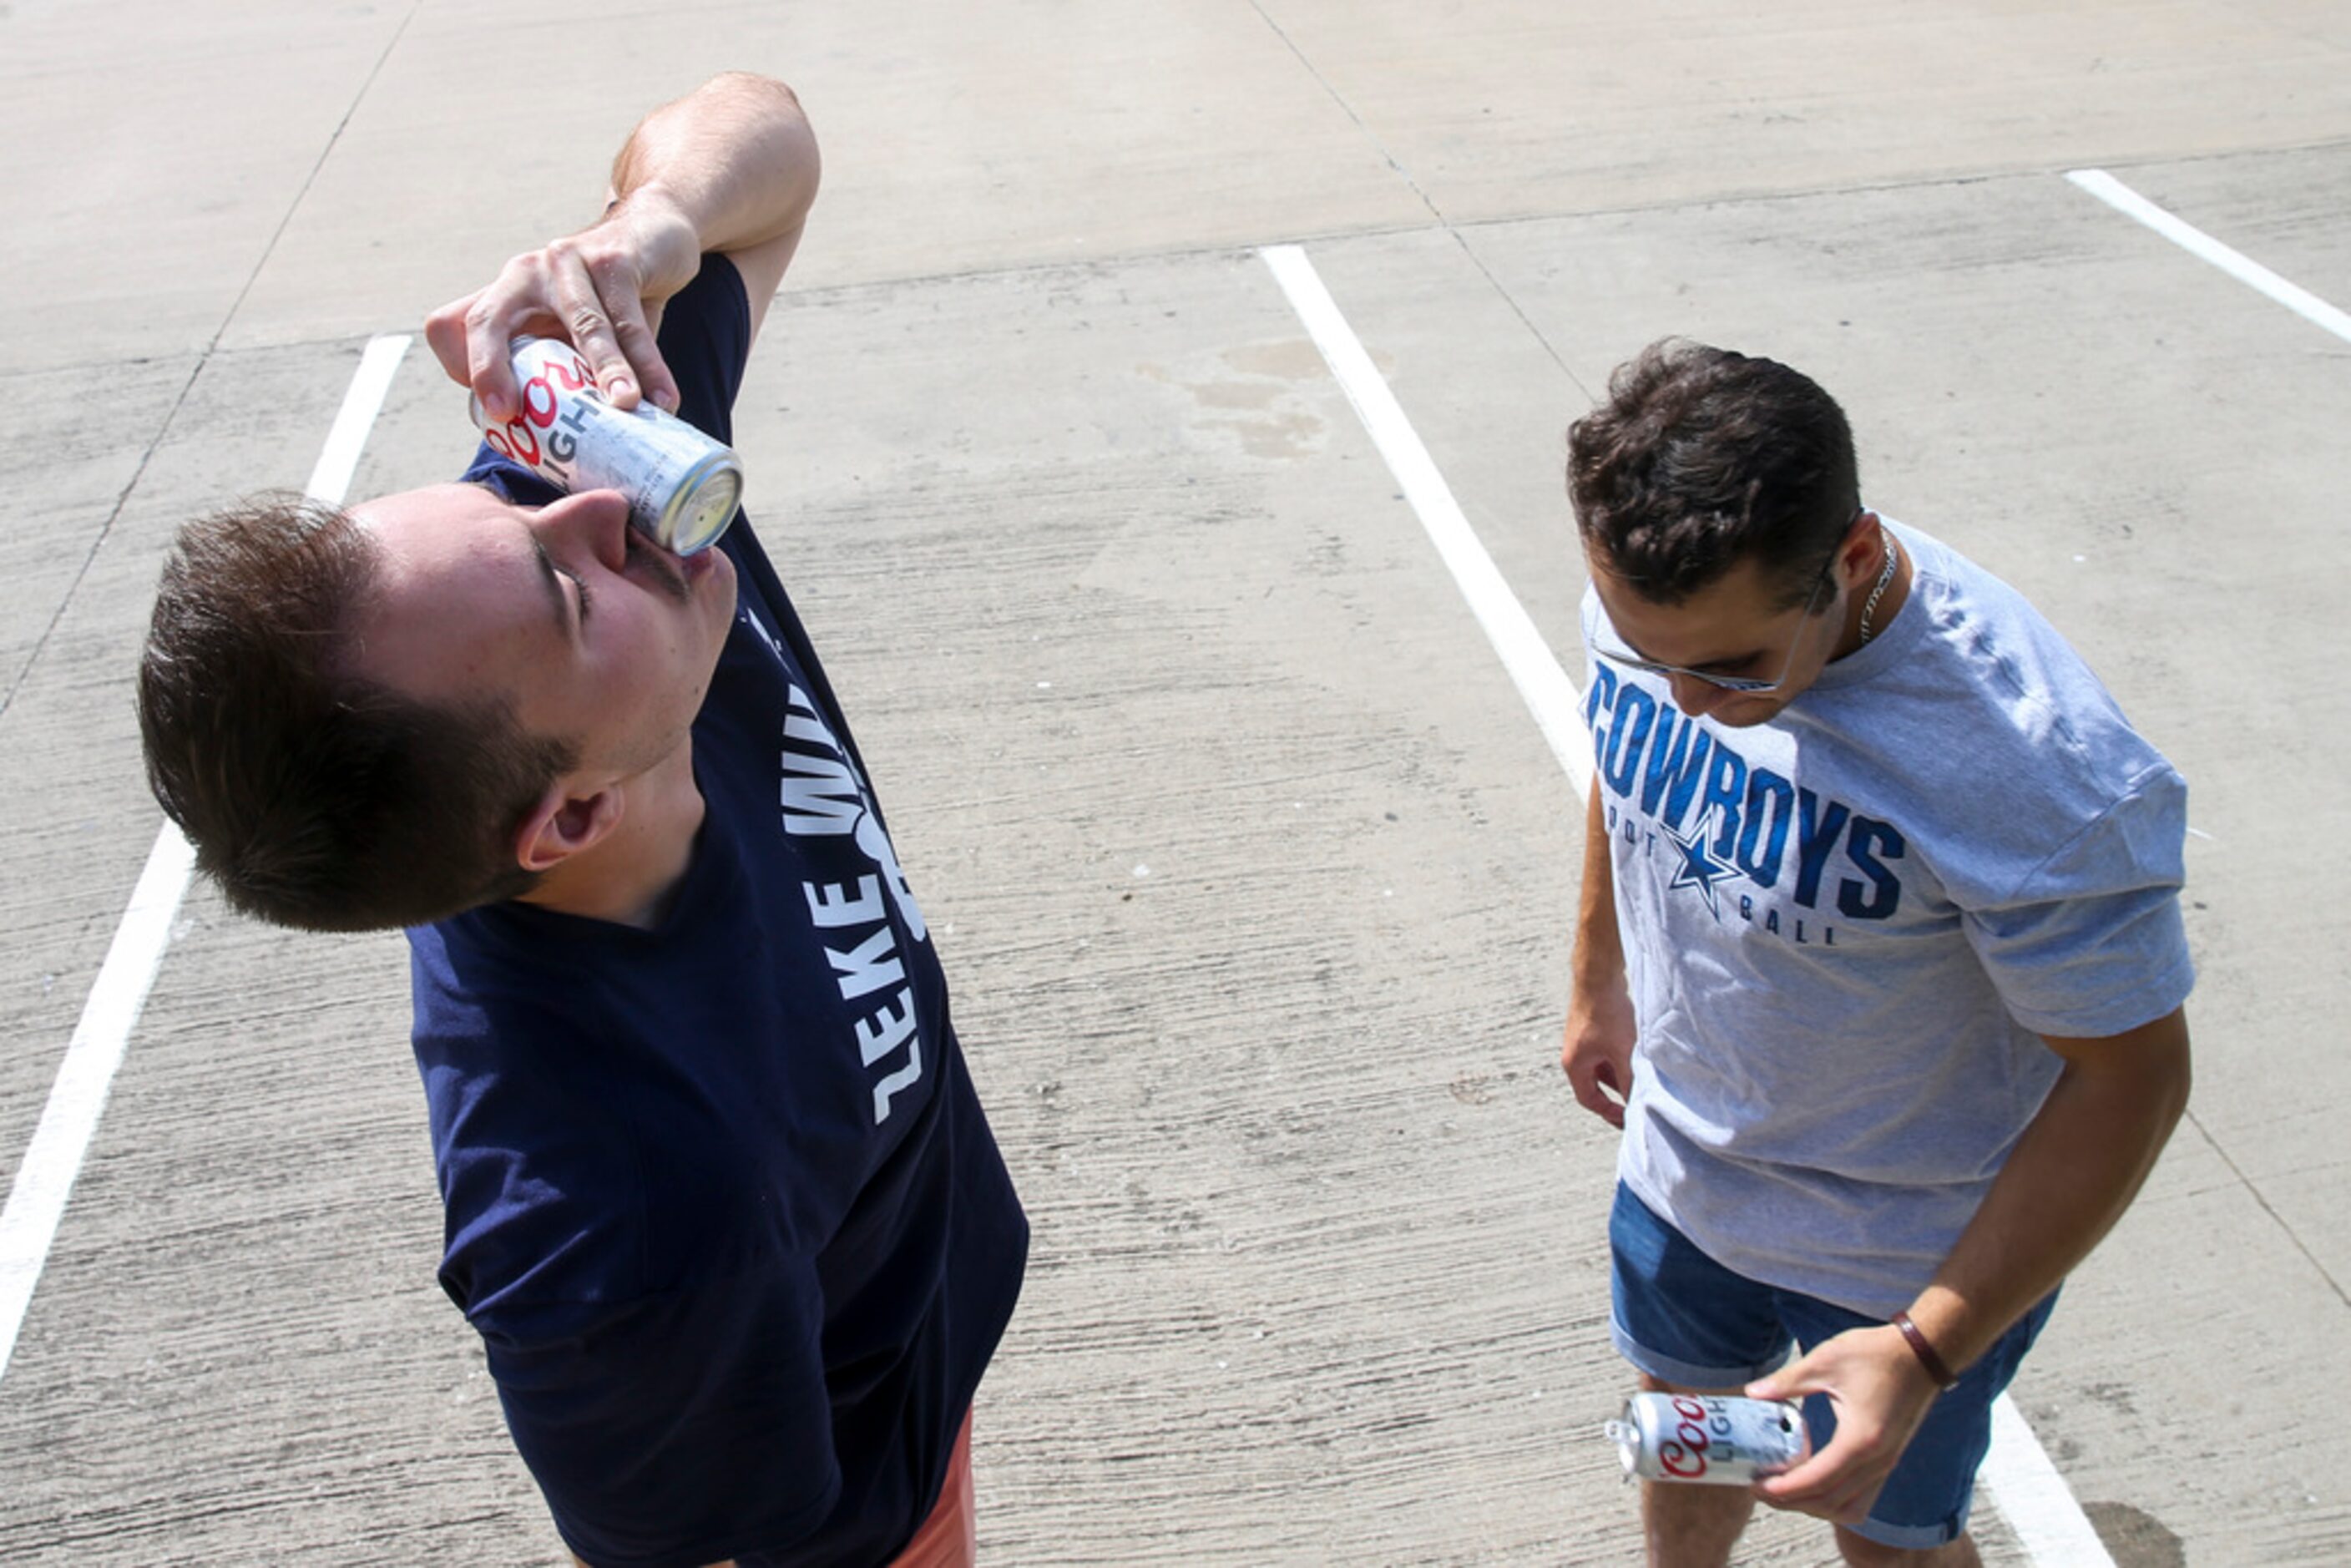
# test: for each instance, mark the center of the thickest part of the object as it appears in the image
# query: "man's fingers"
(537, 295)
(579, 289)
(587, 322)
(1811, 1374)
(1839, 1482)
(1589, 1094)
(592, 335)
(1845, 1504)
(634, 335)
(1847, 1501)
(493, 320)
(1803, 1480)
(444, 333)
(1609, 1091)
(1790, 1382)
(660, 385)
(490, 370)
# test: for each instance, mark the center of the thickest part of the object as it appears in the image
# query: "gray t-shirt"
(1846, 929)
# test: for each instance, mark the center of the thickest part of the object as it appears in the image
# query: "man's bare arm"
(2075, 1171)
(731, 167)
(1598, 1050)
(740, 159)
(2071, 1174)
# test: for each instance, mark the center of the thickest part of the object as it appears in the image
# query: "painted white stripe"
(52, 1160)
(1548, 692)
(330, 481)
(37, 1200)
(2033, 1496)
(2197, 242)
(2034, 1499)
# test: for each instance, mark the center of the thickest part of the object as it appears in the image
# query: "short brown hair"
(1700, 458)
(317, 798)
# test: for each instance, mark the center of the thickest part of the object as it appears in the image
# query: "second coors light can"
(1715, 1438)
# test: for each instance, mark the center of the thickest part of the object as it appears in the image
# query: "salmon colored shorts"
(949, 1538)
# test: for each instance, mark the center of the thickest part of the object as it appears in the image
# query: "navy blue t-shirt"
(720, 1198)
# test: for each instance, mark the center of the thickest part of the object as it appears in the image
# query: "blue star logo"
(1698, 868)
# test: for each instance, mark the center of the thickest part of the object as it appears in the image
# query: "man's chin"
(714, 594)
(716, 581)
(1746, 716)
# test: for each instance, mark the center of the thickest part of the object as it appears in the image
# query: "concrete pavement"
(1252, 872)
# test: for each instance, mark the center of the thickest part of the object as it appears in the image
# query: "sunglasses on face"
(1617, 654)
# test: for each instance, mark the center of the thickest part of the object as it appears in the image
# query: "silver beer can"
(683, 486)
(1709, 1437)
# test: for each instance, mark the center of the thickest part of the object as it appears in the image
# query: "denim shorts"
(1685, 1318)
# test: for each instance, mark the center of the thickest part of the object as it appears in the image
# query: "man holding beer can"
(1880, 962)
(720, 1198)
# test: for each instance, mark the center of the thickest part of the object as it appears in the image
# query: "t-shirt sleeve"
(706, 340)
(2090, 943)
(678, 1429)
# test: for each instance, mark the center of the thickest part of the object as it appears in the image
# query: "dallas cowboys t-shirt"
(720, 1197)
(1846, 928)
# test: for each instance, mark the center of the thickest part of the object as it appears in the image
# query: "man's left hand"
(1880, 1394)
(602, 290)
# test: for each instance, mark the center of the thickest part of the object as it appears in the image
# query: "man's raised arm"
(731, 167)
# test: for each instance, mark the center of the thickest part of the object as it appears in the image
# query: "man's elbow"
(2142, 1077)
(2160, 1068)
(2177, 1069)
(768, 97)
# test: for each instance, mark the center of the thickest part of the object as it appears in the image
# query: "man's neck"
(632, 874)
(1889, 604)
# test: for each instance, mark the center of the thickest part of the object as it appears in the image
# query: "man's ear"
(561, 825)
(1861, 552)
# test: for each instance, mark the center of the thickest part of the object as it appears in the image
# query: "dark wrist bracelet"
(1943, 1376)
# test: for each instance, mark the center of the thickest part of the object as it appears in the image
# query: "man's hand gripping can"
(682, 486)
(1707, 1437)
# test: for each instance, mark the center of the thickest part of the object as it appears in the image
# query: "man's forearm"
(1599, 956)
(2069, 1179)
(734, 158)
(731, 167)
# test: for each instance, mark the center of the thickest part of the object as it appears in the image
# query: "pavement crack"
(2253, 1187)
(204, 357)
(1339, 99)
(1448, 225)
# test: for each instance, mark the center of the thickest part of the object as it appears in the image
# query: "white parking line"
(2197, 242)
(37, 1198)
(2033, 1498)
(1549, 695)
(330, 480)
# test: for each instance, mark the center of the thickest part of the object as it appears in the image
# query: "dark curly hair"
(1701, 458)
(314, 798)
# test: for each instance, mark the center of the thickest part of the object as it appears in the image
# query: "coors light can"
(683, 486)
(1709, 1437)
